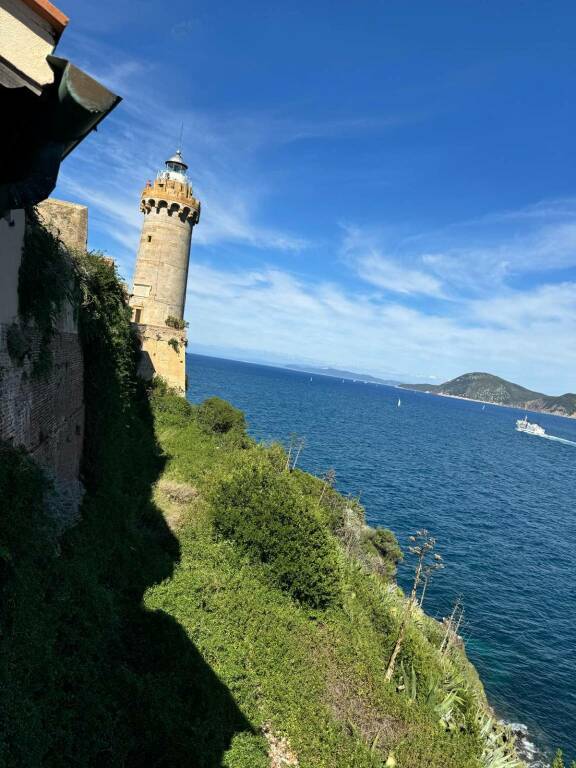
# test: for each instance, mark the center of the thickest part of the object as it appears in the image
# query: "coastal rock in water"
(525, 747)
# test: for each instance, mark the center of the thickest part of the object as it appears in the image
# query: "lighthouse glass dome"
(175, 168)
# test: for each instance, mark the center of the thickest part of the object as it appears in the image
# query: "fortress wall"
(68, 221)
(160, 358)
(43, 414)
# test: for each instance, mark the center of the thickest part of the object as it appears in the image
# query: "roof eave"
(54, 16)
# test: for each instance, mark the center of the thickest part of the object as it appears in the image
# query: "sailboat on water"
(399, 403)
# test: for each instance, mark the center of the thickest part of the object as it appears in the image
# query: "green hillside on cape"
(492, 389)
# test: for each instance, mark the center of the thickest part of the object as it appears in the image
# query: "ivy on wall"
(46, 281)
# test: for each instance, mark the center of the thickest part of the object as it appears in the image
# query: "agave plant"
(454, 680)
(497, 753)
(499, 757)
(448, 710)
(409, 683)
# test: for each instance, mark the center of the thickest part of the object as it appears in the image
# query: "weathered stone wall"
(161, 274)
(11, 239)
(68, 221)
(160, 358)
(42, 413)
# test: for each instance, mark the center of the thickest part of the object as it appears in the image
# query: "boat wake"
(559, 440)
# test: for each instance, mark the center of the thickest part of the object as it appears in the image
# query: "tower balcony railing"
(180, 176)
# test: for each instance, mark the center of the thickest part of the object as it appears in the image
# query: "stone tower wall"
(162, 265)
(160, 278)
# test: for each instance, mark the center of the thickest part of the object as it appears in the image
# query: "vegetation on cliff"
(46, 285)
(308, 665)
(493, 389)
(212, 607)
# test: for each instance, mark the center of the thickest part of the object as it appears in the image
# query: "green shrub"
(559, 760)
(265, 512)
(175, 322)
(384, 544)
(169, 407)
(216, 415)
(22, 491)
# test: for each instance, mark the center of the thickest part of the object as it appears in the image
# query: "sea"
(500, 503)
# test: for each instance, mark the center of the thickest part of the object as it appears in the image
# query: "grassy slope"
(317, 676)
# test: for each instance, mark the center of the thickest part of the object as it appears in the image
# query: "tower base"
(163, 354)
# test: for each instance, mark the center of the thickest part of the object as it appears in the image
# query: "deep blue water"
(500, 503)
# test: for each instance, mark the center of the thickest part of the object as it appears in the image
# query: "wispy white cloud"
(484, 254)
(390, 276)
(542, 210)
(546, 306)
(468, 259)
(549, 248)
(223, 149)
(361, 250)
(271, 311)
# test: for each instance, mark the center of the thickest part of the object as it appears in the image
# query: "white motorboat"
(523, 425)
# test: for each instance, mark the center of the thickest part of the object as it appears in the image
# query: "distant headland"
(339, 373)
(487, 388)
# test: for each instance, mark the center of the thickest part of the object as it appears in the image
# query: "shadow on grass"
(89, 677)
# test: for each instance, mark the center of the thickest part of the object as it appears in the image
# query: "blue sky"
(388, 187)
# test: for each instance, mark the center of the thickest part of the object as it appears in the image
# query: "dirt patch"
(279, 750)
(349, 701)
(376, 728)
(179, 493)
(177, 498)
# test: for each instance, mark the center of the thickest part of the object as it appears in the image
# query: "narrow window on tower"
(149, 238)
(137, 315)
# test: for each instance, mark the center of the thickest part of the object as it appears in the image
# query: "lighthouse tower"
(159, 290)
